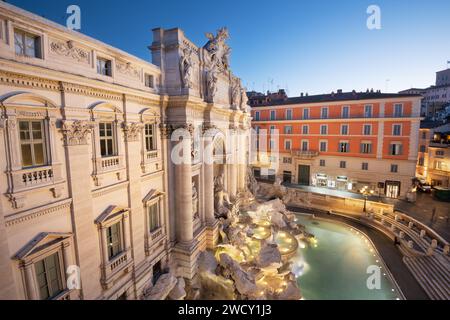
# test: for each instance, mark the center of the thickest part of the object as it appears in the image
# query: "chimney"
(301, 95)
(339, 91)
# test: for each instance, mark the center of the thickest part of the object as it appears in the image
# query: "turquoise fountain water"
(336, 266)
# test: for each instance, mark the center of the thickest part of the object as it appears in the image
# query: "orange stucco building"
(342, 141)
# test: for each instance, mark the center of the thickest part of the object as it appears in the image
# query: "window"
(344, 129)
(287, 160)
(424, 135)
(396, 149)
(343, 164)
(324, 113)
(398, 110)
(273, 115)
(366, 147)
(394, 168)
(107, 143)
(440, 153)
(368, 111)
(289, 114)
(305, 145)
(104, 67)
(345, 112)
(323, 146)
(322, 163)
(153, 217)
(324, 129)
(305, 129)
(423, 148)
(113, 240)
(367, 129)
(288, 130)
(150, 139)
(397, 130)
(365, 166)
(48, 276)
(272, 129)
(257, 115)
(287, 144)
(344, 147)
(32, 143)
(306, 114)
(149, 81)
(421, 162)
(438, 165)
(26, 44)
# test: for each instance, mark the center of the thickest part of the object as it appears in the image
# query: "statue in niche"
(211, 83)
(186, 66)
(194, 200)
(218, 49)
(236, 93)
(222, 202)
(244, 101)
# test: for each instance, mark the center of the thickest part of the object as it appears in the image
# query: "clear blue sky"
(305, 46)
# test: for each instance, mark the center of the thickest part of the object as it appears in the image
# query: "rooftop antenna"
(387, 85)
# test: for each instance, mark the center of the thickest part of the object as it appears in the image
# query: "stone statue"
(186, 66)
(244, 101)
(236, 93)
(194, 200)
(218, 49)
(211, 83)
(222, 202)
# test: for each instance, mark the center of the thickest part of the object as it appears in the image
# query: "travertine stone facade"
(86, 136)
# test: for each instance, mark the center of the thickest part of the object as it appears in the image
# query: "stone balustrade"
(36, 176)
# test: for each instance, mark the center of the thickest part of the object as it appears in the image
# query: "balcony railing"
(151, 155)
(37, 176)
(305, 154)
(115, 266)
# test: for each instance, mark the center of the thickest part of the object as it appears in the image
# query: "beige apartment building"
(88, 187)
(433, 164)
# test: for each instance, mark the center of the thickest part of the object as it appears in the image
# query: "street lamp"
(366, 192)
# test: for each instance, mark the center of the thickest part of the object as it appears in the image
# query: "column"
(208, 172)
(30, 282)
(242, 151)
(105, 246)
(233, 165)
(183, 189)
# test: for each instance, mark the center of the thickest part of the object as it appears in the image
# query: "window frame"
(112, 138)
(37, 43)
(394, 127)
(107, 69)
(345, 125)
(368, 114)
(43, 140)
(367, 125)
(343, 113)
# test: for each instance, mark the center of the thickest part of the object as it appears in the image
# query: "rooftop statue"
(218, 49)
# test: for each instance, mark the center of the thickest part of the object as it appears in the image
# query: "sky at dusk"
(304, 46)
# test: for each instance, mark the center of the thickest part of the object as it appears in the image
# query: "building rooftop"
(339, 96)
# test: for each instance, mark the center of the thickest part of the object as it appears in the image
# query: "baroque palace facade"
(87, 179)
(340, 141)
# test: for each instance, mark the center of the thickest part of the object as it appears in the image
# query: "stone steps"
(432, 275)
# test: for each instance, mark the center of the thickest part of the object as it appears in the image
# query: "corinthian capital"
(76, 132)
(132, 131)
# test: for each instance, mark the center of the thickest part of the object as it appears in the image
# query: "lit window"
(32, 143)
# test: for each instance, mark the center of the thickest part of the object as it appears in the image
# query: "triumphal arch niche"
(208, 102)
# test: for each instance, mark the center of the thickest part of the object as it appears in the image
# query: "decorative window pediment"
(152, 195)
(40, 242)
(110, 214)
